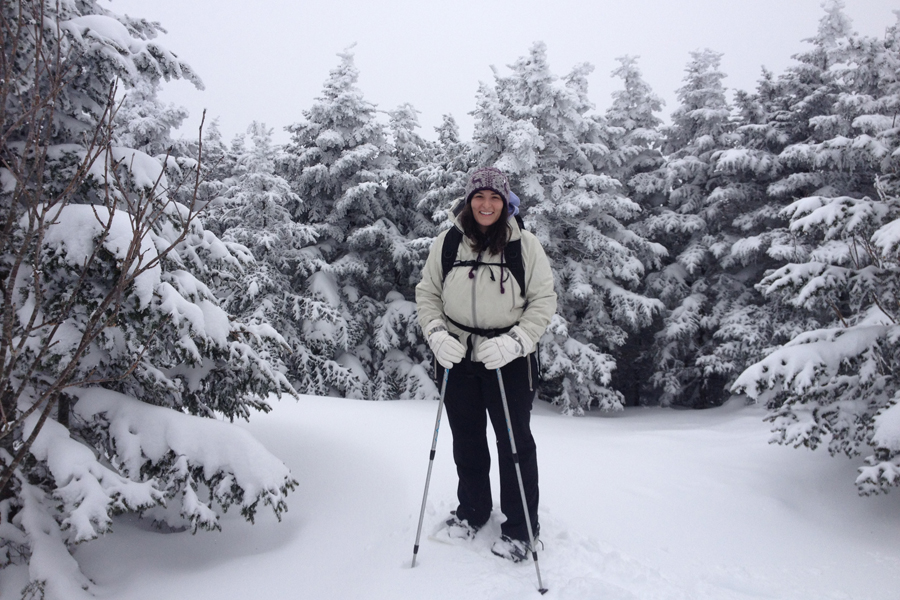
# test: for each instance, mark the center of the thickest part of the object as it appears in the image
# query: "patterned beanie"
(488, 178)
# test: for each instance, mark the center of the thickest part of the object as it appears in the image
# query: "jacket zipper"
(471, 340)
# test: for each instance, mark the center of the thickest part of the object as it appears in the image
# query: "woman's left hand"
(503, 349)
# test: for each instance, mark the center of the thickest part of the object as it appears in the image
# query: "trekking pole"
(515, 454)
(437, 426)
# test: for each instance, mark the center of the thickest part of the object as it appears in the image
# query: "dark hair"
(494, 239)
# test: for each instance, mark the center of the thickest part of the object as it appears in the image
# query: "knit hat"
(488, 178)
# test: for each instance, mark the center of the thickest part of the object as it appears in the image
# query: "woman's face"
(487, 207)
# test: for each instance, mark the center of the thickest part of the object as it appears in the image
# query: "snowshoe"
(455, 530)
(510, 549)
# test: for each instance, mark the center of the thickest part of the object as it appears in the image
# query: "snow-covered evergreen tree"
(217, 168)
(636, 156)
(635, 160)
(444, 175)
(834, 384)
(255, 214)
(396, 249)
(114, 349)
(340, 161)
(143, 122)
(695, 224)
(334, 163)
(539, 130)
(819, 124)
(783, 151)
(754, 234)
(410, 153)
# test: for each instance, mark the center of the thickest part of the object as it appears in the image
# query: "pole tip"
(543, 591)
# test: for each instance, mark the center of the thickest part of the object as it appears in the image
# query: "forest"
(748, 246)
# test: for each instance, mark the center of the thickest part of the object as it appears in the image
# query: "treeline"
(663, 238)
(752, 226)
(753, 235)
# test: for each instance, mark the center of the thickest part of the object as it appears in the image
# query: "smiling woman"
(486, 206)
(486, 339)
(486, 201)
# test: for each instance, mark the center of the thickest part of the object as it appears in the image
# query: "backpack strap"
(488, 333)
(449, 250)
(519, 221)
(515, 262)
(512, 254)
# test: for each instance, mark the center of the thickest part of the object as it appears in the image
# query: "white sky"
(267, 60)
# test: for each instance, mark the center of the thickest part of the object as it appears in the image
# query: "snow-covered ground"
(641, 505)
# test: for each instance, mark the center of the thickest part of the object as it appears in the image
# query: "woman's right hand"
(447, 349)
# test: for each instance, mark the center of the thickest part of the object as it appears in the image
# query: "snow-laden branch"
(809, 360)
(189, 451)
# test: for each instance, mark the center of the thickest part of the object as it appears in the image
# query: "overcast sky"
(267, 60)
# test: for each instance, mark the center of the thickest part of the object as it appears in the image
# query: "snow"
(887, 238)
(85, 484)
(146, 170)
(184, 299)
(352, 364)
(887, 429)
(323, 285)
(75, 227)
(142, 432)
(102, 28)
(836, 216)
(50, 560)
(640, 504)
(808, 358)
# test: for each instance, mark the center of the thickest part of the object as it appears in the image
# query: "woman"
(478, 319)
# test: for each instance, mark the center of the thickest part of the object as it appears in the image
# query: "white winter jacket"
(478, 302)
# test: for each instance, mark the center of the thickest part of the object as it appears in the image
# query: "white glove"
(503, 349)
(447, 349)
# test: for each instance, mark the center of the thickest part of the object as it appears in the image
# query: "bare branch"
(29, 337)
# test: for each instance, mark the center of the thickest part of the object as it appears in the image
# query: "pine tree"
(811, 88)
(833, 384)
(395, 248)
(341, 163)
(635, 159)
(113, 347)
(143, 122)
(754, 235)
(695, 224)
(444, 175)
(771, 164)
(334, 162)
(255, 216)
(538, 129)
(217, 168)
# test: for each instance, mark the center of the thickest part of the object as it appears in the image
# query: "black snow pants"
(472, 394)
